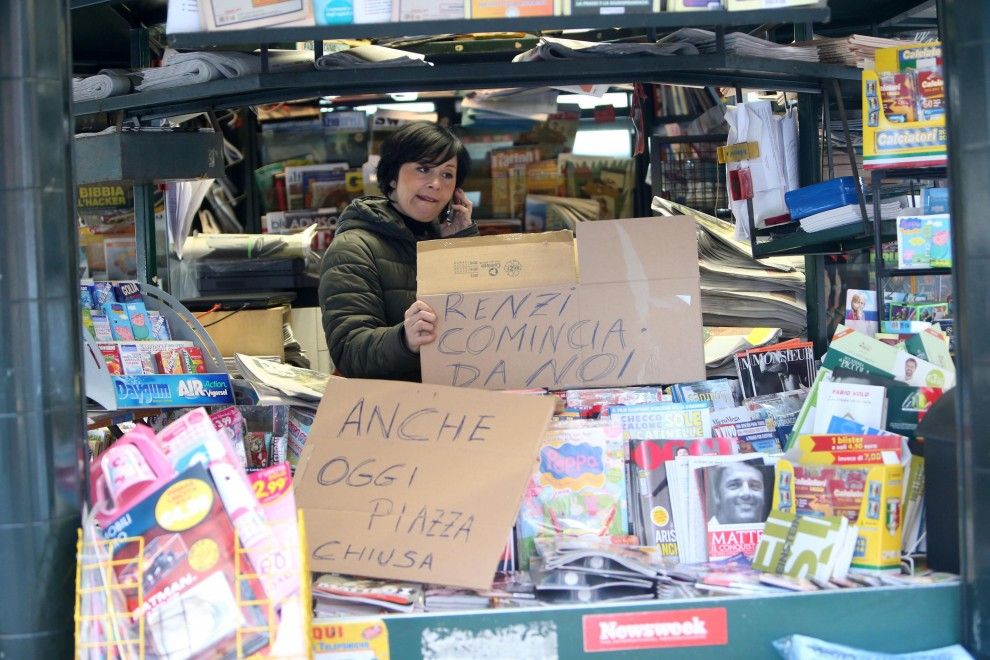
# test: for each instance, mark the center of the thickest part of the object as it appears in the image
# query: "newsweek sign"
(623, 631)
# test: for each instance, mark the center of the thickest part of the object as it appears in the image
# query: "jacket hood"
(377, 215)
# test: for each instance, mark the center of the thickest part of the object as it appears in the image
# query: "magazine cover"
(717, 392)
(578, 487)
(665, 420)
(185, 593)
(654, 524)
(861, 311)
(737, 502)
(781, 368)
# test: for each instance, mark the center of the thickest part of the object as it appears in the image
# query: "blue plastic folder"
(819, 197)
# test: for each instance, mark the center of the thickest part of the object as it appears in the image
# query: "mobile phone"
(448, 214)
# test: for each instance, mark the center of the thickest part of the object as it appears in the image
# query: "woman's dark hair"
(424, 143)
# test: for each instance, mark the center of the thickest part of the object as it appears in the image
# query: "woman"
(373, 323)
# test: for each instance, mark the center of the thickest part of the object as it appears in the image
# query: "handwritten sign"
(416, 482)
(633, 317)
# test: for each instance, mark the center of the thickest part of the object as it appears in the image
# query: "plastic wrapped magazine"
(578, 488)
(394, 596)
(250, 246)
(801, 647)
(296, 385)
(603, 555)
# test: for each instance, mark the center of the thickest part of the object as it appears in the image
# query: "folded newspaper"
(295, 385)
(251, 246)
(370, 55)
(551, 48)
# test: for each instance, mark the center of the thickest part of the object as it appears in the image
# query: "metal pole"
(41, 412)
(967, 81)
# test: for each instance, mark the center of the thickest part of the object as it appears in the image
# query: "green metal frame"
(890, 620)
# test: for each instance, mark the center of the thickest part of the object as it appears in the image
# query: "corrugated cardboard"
(491, 263)
(248, 331)
(416, 482)
(633, 316)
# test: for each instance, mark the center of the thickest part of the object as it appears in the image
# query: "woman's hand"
(461, 208)
(419, 326)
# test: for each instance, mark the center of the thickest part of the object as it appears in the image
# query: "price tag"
(270, 484)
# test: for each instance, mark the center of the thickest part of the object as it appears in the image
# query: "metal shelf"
(915, 272)
(672, 20)
(847, 616)
(274, 87)
(829, 241)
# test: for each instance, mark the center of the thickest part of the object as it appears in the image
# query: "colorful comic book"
(578, 488)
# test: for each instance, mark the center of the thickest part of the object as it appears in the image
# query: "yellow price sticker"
(271, 484)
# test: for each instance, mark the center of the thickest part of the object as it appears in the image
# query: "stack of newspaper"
(741, 43)
(855, 50)
(738, 290)
(551, 48)
(278, 383)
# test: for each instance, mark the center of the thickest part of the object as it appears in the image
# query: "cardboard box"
(618, 305)
(248, 331)
(879, 519)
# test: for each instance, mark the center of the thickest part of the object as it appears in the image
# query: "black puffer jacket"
(367, 282)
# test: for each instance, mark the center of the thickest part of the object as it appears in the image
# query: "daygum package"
(102, 294)
(111, 355)
(86, 295)
(159, 326)
(169, 362)
(135, 361)
(192, 360)
(127, 292)
(101, 327)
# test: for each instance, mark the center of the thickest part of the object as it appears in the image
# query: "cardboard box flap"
(636, 249)
(489, 263)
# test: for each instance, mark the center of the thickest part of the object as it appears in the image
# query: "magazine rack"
(102, 620)
(160, 390)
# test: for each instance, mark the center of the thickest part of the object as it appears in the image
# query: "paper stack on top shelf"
(740, 43)
(845, 215)
(855, 50)
(738, 290)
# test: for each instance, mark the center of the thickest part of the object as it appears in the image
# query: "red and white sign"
(655, 630)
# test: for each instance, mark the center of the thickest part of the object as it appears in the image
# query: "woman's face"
(423, 191)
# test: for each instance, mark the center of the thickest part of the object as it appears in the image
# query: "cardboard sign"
(511, 314)
(416, 482)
